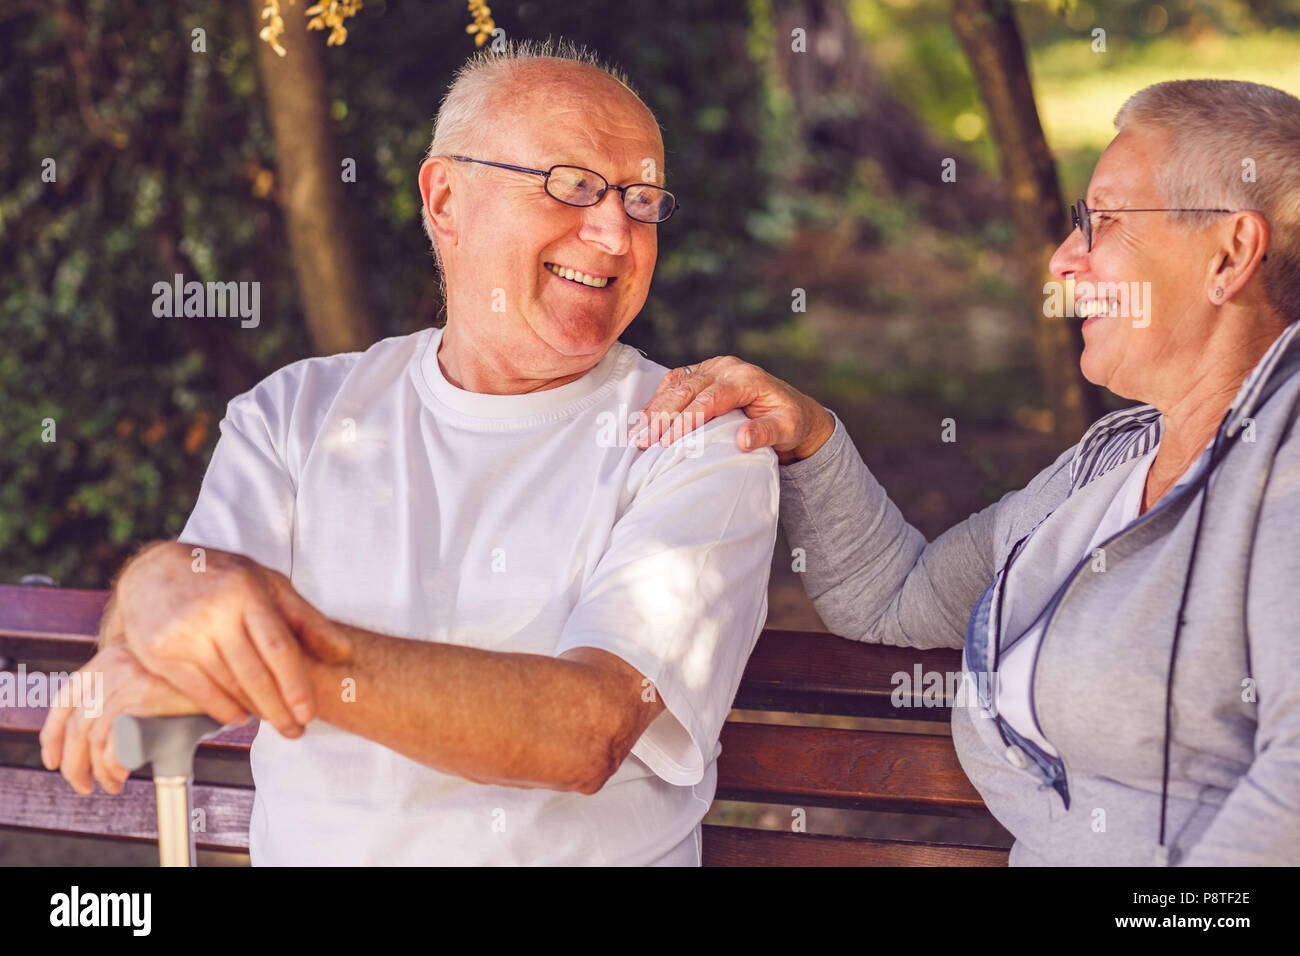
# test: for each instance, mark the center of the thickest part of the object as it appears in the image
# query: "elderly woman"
(1132, 605)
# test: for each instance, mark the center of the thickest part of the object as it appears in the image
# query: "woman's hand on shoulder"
(782, 418)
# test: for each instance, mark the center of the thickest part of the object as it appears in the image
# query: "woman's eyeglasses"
(1081, 216)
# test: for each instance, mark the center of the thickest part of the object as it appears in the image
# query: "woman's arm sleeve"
(871, 575)
(1259, 822)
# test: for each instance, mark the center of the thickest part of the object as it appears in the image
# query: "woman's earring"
(1218, 293)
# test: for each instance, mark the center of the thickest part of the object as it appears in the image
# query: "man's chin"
(576, 337)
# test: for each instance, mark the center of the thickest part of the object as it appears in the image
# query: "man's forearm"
(513, 719)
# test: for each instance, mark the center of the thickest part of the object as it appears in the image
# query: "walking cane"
(169, 744)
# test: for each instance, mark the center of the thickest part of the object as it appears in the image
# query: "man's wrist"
(110, 622)
(132, 562)
(110, 631)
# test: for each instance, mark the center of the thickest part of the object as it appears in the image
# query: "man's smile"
(583, 278)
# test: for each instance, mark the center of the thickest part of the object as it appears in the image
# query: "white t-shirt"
(1016, 664)
(397, 502)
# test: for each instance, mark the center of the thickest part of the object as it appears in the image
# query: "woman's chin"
(1094, 370)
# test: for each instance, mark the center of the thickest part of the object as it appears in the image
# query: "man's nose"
(606, 226)
(1070, 255)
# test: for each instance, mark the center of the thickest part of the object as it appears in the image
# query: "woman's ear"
(1244, 245)
(435, 191)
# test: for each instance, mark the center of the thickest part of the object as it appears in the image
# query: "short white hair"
(459, 128)
(1233, 145)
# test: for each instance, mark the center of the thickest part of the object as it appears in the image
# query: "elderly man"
(487, 628)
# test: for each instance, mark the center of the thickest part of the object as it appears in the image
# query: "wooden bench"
(783, 764)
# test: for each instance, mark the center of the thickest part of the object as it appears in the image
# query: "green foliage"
(151, 145)
(915, 49)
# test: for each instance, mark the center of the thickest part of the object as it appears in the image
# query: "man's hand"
(224, 636)
(77, 737)
(784, 418)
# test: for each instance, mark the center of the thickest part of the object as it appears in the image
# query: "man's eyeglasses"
(576, 186)
(1081, 216)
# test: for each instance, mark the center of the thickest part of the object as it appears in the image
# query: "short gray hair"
(1219, 130)
(459, 128)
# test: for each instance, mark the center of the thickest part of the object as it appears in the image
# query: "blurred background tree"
(814, 170)
(323, 241)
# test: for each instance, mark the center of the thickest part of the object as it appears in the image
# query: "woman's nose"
(1070, 255)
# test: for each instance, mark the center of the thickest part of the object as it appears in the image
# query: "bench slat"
(808, 672)
(857, 769)
(736, 846)
(61, 623)
(42, 800)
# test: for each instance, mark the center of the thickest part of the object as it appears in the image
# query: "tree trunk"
(991, 40)
(321, 244)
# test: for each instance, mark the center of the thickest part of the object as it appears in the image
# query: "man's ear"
(435, 190)
(1244, 245)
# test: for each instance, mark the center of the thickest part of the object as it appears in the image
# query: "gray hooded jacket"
(1178, 743)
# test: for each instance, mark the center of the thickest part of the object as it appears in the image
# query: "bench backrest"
(789, 673)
